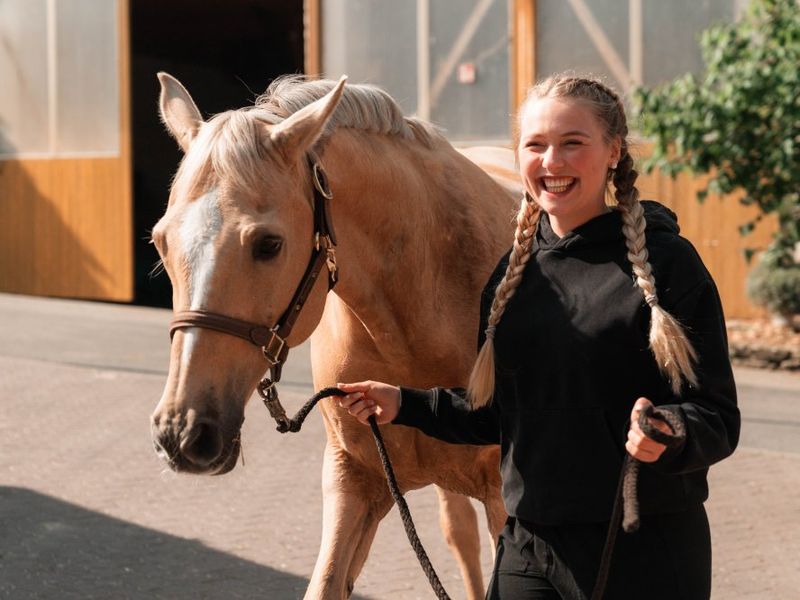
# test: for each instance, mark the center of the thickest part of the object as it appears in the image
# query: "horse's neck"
(419, 231)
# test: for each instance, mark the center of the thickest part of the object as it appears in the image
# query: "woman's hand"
(367, 398)
(639, 445)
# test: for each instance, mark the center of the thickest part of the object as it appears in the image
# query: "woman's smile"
(557, 185)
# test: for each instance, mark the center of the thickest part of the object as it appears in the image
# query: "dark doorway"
(225, 53)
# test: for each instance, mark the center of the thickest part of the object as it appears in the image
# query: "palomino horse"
(419, 229)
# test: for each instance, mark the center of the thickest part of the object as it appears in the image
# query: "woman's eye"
(267, 248)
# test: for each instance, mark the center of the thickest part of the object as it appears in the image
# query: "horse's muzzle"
(199, 447)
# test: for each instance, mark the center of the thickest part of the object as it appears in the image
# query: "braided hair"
(671, 348)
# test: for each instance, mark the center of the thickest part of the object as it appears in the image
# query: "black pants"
(668, 558)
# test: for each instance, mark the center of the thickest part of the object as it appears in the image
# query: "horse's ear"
(178, 111)
(299, 131)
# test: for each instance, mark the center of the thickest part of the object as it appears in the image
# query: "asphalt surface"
(88, 511)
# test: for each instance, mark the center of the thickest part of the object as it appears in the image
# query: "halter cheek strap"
(272, 340)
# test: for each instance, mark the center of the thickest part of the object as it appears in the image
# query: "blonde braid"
(481, 381)
(673, 351)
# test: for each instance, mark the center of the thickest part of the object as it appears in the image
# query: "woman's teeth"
(557, 184)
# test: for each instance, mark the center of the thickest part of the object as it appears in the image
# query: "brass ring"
(321, 182)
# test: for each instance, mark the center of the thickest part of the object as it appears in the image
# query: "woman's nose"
(552, 157)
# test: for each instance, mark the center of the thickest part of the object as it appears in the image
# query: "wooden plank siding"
(713, 228)
(66, 224)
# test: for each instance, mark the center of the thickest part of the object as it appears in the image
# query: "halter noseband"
(272, 340)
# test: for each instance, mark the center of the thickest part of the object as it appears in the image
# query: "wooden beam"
(312, 37)
(523, 51)
(125, 284)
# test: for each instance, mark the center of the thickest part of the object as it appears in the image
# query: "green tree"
(740, 123)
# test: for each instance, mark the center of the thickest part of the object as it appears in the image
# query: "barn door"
(65, 190)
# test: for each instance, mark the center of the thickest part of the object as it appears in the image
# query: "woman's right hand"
(367, 398)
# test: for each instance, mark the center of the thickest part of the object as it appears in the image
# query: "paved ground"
(87, 511)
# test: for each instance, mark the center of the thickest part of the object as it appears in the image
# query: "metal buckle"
(321, 182)
(330, 261)
(268, 393)
(270, 352)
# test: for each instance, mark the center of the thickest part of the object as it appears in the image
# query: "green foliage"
(740, 122)
(776, 287)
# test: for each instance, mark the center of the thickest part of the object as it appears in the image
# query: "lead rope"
(626, 504)
(294, 424)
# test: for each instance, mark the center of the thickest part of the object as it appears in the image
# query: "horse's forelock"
(229, 147)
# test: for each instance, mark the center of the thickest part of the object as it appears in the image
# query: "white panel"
(87, 82)
(469, 67)
(671, 32)
(376, 41)
(597, 37)
(589, 37)
(372, 41)
(23, 77)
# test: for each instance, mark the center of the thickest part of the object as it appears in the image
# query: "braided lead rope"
(294, 425)
(405, 515)
(630, 522)
(626, 504)
(611, 535)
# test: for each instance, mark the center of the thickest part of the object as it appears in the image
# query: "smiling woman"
(596, 314)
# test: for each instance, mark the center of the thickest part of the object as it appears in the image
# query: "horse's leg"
(496, 516)
(459, 523)
(351, 509)
(364, 543)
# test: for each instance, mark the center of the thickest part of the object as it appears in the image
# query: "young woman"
(595, 312)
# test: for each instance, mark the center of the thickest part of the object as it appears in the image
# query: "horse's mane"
(362, 106)
(229, 145)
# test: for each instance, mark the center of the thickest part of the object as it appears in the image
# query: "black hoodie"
(572, 357)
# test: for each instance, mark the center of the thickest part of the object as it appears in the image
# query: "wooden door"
(66, 217)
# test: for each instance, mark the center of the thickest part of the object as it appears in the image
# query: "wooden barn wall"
(713, 228)
(66, 223)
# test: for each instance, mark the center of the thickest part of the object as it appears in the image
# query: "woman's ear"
(616, 152)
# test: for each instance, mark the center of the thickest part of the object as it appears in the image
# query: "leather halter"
(272, 340)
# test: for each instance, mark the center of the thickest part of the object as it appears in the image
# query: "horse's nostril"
(163, 443)
(202, 445)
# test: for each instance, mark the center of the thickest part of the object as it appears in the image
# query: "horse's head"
(235, 240)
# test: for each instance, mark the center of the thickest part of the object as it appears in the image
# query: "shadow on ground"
(50, 549)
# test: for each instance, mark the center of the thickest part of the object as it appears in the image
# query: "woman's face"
(564, 160)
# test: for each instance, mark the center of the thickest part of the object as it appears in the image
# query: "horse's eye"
(267, 248)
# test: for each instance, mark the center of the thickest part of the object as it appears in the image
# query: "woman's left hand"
(639, 445)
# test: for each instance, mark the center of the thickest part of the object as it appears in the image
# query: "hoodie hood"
(605, 228)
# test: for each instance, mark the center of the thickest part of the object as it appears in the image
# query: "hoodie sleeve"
(445, 413)
(709, 410)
